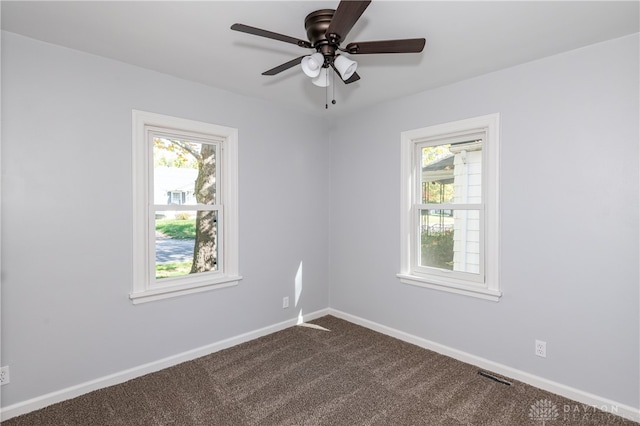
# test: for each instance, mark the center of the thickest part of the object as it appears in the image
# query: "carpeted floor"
(329, 372)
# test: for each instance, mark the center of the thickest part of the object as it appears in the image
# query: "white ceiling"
(192, 40)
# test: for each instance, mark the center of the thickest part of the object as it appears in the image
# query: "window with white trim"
(185, 206)
(450, 210)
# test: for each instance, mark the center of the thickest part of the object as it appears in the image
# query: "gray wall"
(67, 218)
(569, 219)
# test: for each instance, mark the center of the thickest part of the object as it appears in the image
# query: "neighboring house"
(174, 185)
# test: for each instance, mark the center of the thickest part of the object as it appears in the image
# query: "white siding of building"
(468, 190)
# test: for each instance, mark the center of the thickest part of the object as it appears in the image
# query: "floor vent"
(494, 378)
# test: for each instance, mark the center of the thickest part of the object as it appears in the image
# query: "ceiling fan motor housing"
(316, 24)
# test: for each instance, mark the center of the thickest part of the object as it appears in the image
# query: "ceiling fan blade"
(292, 63)
(409, 45)
(354, 77)
(345, 17)
(270, 34)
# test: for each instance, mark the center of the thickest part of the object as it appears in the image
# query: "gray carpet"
(304, 375)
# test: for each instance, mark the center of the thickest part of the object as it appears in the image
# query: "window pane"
(184, 172)
(451, 173)
(186, 242)
(450, 240)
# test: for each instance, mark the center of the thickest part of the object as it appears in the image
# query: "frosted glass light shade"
(346, 67)
(322, 80)
(312, 64)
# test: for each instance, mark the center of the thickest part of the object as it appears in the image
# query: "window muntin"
(185, 206)
(450, 207)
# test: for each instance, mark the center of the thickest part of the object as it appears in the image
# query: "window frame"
(146, 287)
(485, 285)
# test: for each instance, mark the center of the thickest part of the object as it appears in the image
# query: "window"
(449, 222)
(185, 206)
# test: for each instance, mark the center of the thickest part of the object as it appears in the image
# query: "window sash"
(449, 206)
(183, 135)
(416, 231)
(451, 138)
(464, 137)
(185, 207)
(154, 132)
(424, 271)
(185, 279)
(168, 133)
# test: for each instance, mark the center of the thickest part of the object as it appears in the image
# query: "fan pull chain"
(326, 91)
(326, 97)
(333, 81)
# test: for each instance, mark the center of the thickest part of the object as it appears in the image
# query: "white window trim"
(489, 289)
(142, 290)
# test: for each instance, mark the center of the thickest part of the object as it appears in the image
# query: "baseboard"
(123, 376)
(577, 395)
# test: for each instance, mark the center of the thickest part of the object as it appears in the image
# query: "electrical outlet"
(541, 348)
(285, 302)
(4, 375)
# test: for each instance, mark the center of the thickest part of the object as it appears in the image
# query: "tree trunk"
(205, 251)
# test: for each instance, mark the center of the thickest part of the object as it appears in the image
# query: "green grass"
(166, 270)
(177, 229)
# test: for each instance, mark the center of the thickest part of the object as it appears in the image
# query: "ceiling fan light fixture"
(346, 67)
(322, 80)
(326, 29)
(312, 64)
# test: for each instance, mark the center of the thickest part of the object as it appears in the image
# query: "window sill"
(467, 290)
(166, 292)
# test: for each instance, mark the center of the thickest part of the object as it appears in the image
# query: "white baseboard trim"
(577, 395)
(123, 376)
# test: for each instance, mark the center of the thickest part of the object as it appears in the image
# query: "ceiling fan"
(326, 29)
